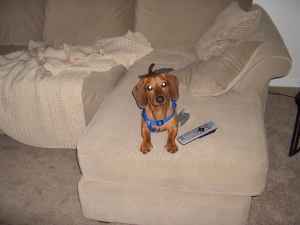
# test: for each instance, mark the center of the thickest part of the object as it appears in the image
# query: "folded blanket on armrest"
(105, 54)
(48, 95)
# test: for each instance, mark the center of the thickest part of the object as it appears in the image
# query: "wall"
(286, 16)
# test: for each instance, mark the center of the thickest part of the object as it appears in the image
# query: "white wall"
(286, 16)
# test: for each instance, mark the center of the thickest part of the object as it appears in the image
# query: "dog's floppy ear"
(139, 94)
(173, 86)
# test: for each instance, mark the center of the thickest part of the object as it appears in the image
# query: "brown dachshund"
(156, 94)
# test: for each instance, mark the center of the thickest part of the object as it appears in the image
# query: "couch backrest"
(176, 23)
(21, 21)
(81, 22)
(166, 23)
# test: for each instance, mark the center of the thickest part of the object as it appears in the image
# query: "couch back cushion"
(231, 25)
(218, 74)
(176, 23)
(82, 22)
(21, 21)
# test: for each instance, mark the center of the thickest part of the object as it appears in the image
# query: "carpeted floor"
(39, 186)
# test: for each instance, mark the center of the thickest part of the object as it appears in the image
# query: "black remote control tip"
(201, 129)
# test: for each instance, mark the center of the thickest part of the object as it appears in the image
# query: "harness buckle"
(159, 122)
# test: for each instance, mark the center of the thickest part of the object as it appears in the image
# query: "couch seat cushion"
(231, 161)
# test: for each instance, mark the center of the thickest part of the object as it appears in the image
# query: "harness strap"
(158, 123)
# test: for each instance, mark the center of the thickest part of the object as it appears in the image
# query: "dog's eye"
(149, 88)
(164, 84)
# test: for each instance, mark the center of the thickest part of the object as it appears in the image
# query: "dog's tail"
(158, 71)
(150, 69)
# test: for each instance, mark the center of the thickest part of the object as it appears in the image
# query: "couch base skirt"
(113, 202)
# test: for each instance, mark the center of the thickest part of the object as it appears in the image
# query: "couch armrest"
(271, 60)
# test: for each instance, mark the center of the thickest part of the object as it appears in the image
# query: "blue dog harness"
(158, 123)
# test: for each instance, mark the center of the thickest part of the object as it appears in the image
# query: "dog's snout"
(160, 99)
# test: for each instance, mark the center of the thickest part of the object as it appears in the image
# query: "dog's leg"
(146, 145)
(171, 144)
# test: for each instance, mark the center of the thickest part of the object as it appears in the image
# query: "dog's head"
(155, 88)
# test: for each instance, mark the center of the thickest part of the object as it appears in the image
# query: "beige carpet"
(39, 186)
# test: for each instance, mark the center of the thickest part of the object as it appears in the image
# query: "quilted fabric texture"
(232, 25)
(218, 74)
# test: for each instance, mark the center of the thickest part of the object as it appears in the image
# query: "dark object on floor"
(296, 135)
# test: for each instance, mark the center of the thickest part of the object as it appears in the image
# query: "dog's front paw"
(146, 147)
(171, 147)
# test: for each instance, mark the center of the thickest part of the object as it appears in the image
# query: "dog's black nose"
(160, 99)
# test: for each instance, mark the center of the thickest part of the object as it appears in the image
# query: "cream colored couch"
(208, 182)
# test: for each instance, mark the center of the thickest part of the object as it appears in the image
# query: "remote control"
(197, 132)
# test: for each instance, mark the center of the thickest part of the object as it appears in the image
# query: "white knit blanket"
(102, 56)
(42, 89)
